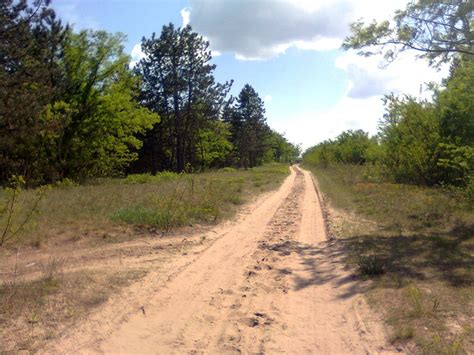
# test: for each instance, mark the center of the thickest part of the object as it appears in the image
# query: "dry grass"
(163, 202)
(423, 238)
(89, 242)
(34, 312)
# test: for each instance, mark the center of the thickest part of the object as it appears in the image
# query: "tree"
(281, 150)
(436, 29)
(97, 109)
(213, 145)
(31, 41)
(455, 107)
(248, 127)
(178, 85)
(410, 137)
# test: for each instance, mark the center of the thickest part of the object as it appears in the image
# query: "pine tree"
(248, 127)
(178, 84)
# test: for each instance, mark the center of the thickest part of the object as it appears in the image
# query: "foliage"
(30, 47)
(248, 126)
(437, 29)
(71, 108)
(370, 265)
(101, 119)
(419, 142)
(67, 101)
(213, 145)
(253, 140)
(178, 84)
(410, 136)
(350, 147)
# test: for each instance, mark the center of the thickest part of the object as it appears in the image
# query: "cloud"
(368, 78)
(314, 126)
(68, 11)
(361, 106)
(185, 15)
(258, 30)
(268, 98)
(136, 54)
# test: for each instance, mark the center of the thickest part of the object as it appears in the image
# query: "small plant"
(402, 333)
(33, 318)
(227, 170)
(52, 268)
(370, 265)
(440, 345)
(416, 298)
(65, 183)
(138, 179)
(14, 216)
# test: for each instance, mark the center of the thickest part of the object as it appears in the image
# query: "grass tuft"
(370, 265)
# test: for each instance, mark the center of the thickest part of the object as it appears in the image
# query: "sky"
(288, 50)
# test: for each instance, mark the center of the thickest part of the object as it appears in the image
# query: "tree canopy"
(436, 29)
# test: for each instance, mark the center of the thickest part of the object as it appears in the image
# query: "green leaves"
(436, 30)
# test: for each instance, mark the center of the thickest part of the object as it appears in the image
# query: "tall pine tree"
(178, 85)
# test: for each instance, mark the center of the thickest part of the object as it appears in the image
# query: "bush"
(149, 178)
(370, 265)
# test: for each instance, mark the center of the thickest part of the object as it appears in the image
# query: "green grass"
(419, 242)
(164, 202)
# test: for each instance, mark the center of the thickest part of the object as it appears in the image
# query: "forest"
(72, 107)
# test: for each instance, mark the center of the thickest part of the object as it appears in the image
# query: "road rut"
(271, 283)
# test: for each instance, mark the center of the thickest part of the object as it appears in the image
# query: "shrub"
(370, 265)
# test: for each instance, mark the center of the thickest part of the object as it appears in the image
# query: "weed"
(52, 268)
(14, 215)
(370, 265)
(440, 345)
(402, 333)
(416, 298)
(227, 170)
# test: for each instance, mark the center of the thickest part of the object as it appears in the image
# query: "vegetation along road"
(270, 282)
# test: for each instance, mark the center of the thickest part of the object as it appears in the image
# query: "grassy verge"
(417, 245)
(161, 202)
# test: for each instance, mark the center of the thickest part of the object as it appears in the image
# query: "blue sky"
(288, 50)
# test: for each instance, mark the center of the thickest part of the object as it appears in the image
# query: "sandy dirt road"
(270, 283)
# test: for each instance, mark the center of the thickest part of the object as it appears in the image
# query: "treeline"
(419, 142)
(71, 106)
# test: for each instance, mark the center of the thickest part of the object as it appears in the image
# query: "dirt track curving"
(271, 283)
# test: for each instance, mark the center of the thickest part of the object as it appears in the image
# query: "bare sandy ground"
(270, 282)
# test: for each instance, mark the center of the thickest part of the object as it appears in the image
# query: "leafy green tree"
(410, 137)
(455, 106)
(178, 84)
(99, 114)
(350, 147)
(436, 29)
(213, 145)
(281, 150)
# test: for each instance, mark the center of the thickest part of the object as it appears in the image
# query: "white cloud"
(361, 106)
(185, 15)
(68, 11)
(263, 29)
(136, 54)
(368, 78)
(312, 127)
(268, 98)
